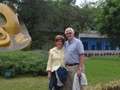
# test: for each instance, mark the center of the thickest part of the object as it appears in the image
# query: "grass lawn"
(24, 83)
(102, 70)
(99, 71)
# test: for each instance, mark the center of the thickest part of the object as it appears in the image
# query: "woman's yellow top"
(56, 59)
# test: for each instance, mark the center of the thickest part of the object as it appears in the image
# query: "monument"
(13, 32)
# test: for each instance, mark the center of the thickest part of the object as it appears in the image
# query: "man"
(74, 57)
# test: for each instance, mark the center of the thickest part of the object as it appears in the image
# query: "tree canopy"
(43, 18)
(108, 21)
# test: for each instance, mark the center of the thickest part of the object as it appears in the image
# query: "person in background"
(74, 58)
(57, 73)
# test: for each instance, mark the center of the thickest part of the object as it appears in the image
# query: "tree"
(35, 15)
(46, 18)
(109, 20)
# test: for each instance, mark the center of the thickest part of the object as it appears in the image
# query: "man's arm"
(81, 61)
(80, 67)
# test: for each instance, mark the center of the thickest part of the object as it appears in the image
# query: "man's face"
(69, 34)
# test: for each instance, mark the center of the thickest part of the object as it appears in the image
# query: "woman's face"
(59, 44)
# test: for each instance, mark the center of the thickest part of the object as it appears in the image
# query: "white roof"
(92, 34)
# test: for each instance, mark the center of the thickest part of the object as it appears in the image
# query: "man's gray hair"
(69, 28)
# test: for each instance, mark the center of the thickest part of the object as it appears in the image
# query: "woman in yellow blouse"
(55, 63)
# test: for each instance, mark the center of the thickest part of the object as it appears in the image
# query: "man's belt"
(72, 64)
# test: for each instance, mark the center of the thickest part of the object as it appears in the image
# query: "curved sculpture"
(13, 32)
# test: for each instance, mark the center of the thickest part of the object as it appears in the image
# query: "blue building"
(94, 41)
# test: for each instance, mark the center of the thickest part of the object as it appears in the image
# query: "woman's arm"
(49, 75)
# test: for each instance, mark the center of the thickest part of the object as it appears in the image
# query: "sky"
(78, 2)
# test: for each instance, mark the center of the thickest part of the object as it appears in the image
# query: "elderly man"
(74, 57)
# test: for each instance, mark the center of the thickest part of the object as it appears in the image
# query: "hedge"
(19, 62)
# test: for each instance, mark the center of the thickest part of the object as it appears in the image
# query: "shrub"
(19, 62)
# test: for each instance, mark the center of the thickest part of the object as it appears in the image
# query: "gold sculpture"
(13, 32)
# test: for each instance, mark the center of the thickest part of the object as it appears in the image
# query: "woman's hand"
(49, 75)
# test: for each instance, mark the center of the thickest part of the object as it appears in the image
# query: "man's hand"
(79, 73)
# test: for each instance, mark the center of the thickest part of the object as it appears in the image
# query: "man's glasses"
(69, 33)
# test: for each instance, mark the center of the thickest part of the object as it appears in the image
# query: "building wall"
(92, 40)
(98, 44)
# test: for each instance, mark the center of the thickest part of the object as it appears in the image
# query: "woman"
(57, 73)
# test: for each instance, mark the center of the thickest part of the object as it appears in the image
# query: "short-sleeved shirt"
(73, 49)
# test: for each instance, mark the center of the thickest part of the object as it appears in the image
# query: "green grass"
(24, 83)
(99, 71)
(102, 70)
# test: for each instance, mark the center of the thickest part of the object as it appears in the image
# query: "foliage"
(23, 63)
(108, 21)
(47, 18)
(50, 16)
(101, 73)
(113, 85)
